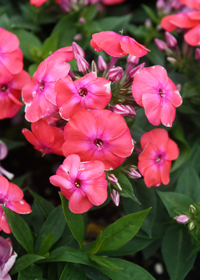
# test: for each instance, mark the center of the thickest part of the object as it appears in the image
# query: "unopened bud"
(132, 173)
(6, 173)
(115, 74)
(161, 45)
(124, 110)
(160, 4)
(172, 60)
(182, 219)
(77, 50)
(191, 225)
(93, 66)
(101, 63)
(115, 197)
(197, 54)
(192, 209)
(134, 70)
(83, 65)
(133, 59)
(178, 86)
(170, 39)
(112, 179)
(3, 150)
(81, 20)
(148, 23)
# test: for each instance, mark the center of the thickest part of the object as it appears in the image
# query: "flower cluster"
(12, 76)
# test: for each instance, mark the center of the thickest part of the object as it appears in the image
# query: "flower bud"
(133, 59)
(132, 173)
(81, 20)
(182, 219)
(191, 225)
(115, 197)
(115, 74)
(6, 173)
(101, 63)
(172, 60)
(160, 4)
(77, 37)
(112, 179)
(3, 150)
(197, 54)
(170, 39)
(124, 110)
(192, 209)
(93, 66)
(83, 65)
(77, 50)
(134, 70)
(148, 23)
(161, 45)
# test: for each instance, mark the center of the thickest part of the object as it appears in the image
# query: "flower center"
(4, 87)
(161, 92)
(82, 92)
(41, 85)
(159, 158)
(77, 183)
(3, 201)
(98, 143)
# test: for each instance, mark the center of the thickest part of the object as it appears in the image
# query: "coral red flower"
(45, 138)
(37, 3)
(39, 95)
(155, 160)
(98, 135)
(83, 183)
(117, 45)
(112, 2)
(11, 196)
(195, 4)
(10, 55)
(88, 92)
(153, 90)
(10, 93)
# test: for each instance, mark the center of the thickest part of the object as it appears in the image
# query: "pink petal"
(20, 207)
(8, 266)
(4, 223)
(172, 94)
(71, 164)
(152, 176)
(95, 46)
(192, 37)
(30, 137)
(168, 113)
(64, 89)
(70, 107)
(20, 80)
(152, 106)
(91, 170)
(4, 186)
(172, 151)
(43, 132)
(131, 46)
(56, 148)
(13, 61)
(158, 137)
(61, 182)
(8, 41)
(85, 80)
(14, 193)
(164, 172)
(80, 147)
(79, 203)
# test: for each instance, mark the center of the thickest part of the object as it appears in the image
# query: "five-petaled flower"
(155, 160)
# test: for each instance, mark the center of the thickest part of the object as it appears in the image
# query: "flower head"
(82, 183)
(155, 160)
(117, 45)
(98, 135)
(7, 258)
(153, 90)
(11, 196)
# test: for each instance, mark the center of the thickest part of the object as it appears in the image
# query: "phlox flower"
(39, 95)
(88, 92)
(153, 90)
(82, 183)
(7, 258)
(11, 196)
(37, 3)
(10, 55)
(195, 4)
(155, 160)
(45, 138)
(98, 135)
(112, 2)
(117, 45)
(10, 93)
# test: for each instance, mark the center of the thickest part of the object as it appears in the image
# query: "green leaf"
(90, 12)
(20, 229)
(12, 144)
(94, 274)
(151, 14)
(155, 56)
(114, 23)
(46, 244)
(23, 262)
(50, 45)
(190, 89)
(127, 189)
(176, 249)
(119, 233)
(72, 272)
(105, 262)
(19, 181)
(32, 68)
(74, 221)
(32, 272)
(55, 223)
(176, 203)
(45, 206)
(189, 183)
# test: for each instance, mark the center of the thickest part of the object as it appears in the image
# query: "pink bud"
(197, 54)
(133, 59)
(148, 23)
(77, 50)
(83, 65)
(81, 20)
(3, 150)
(178, 86)
(115, 197)
(115, 74)
(7, 257)
(132, 173)
(160, 4)
(134, 70)
(124, 110)
(112, 179)
(6, 173)
(170, 39)
(172, 60)
(182, 219)
(77, 37)
(101, 63)
(161, 45)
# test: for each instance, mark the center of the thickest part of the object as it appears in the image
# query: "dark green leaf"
(105, 262)
(74, 221)
(127, 189)
(20, 229)
(50, 45)
(114, 23)
(119, 233)
(190, 89)
(176, 203)
(19, 181)
(12, 144)
(72, 272)
(151, 14)
(90, 12)
(176, 249)
(23, 262)
(46, 244)
(55, 223)
(32, 272)
(44, 205)
(94, 274)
